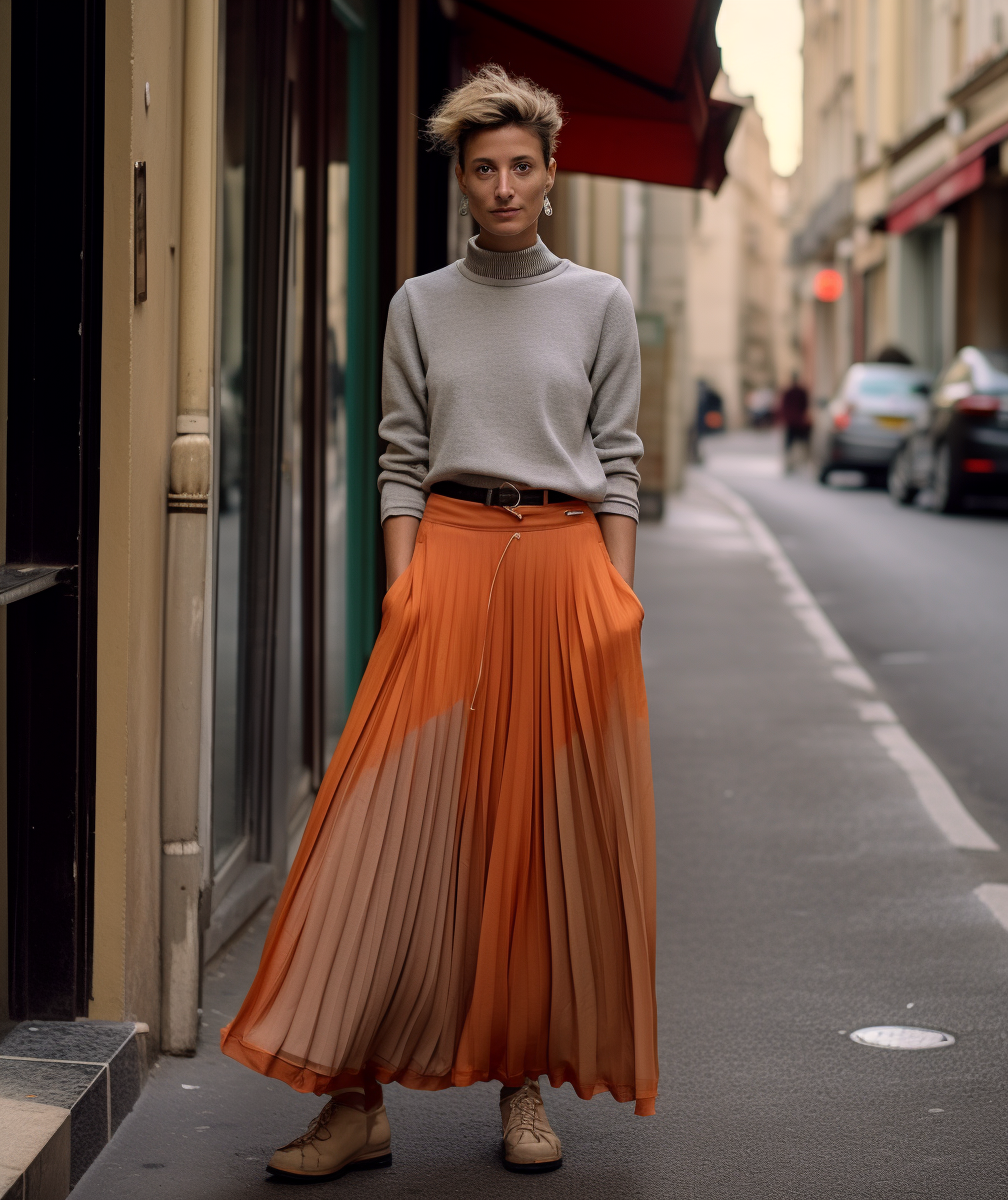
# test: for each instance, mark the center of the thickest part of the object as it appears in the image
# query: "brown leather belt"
(506, 496)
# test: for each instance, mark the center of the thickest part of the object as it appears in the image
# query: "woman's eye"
(523, 167)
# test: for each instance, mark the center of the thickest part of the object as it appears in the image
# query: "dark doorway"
(434, 77)
(57, 159)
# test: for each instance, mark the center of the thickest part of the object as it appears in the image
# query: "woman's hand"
(620, 537)
(400, 538)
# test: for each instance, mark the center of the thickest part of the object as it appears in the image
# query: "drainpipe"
(188, 500)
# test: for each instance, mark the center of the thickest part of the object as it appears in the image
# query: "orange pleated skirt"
(474, 895)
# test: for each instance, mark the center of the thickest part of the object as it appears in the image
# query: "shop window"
(232, 439)
(280, 609)
(876, 329)
(336, 453)
(292, 499)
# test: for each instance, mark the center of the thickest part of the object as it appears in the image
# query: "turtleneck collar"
(505, 265)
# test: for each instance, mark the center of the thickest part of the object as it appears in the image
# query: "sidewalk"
(804, 892)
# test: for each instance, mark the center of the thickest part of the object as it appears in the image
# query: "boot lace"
(523, 1107)
(317, 1129)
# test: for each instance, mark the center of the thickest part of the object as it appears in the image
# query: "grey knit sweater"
(518, 367)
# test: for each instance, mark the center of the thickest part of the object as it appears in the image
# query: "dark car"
(960, 446)
(862, 427)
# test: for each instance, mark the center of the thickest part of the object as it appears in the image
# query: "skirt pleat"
(474, 894)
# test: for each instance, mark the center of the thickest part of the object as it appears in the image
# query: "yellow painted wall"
(607, 226)
(891, 59)
(139, 378)
(5, 107)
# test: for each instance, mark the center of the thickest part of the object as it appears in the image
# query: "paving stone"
(76, 1041)
(60, 1084)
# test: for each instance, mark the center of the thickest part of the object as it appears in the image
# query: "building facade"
(709, 279)
(823, 194)
(638, 233)
(903, 180)
(739, 297)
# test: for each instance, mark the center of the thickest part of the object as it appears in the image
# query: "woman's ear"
(459, 176)
(550, 172)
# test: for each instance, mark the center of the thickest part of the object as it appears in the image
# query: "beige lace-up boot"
(343, 1137)
(529, 1142)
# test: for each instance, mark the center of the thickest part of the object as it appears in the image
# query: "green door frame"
(360, 18)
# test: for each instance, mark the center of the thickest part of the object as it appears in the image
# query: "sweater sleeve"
(612, 417)
(404, 465)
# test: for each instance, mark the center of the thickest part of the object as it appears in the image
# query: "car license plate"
(893, 422)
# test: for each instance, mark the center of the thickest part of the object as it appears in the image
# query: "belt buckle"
(514, 503)
(517, 500)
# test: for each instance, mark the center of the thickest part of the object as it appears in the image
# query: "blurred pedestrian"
(474, 895)
(794, 416)
(760, 406)
(710, 410)
(709, 418)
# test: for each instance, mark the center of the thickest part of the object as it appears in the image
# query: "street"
(804, 890)
(919, 598)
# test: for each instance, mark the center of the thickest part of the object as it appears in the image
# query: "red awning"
(634, 79)
(964, 174)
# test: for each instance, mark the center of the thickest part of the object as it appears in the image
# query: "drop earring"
(464, 206)
(547, 207)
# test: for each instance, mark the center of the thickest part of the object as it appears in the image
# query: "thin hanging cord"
(512, 508)
(486, 623)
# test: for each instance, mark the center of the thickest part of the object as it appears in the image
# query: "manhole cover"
(902, 1037)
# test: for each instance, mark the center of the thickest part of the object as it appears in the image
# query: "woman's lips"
(505, 212)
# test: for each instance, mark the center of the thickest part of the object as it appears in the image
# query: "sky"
(760, 44)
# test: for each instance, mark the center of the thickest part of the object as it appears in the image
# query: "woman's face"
(505, 179)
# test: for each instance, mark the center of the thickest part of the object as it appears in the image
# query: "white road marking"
(822, 631)
(876, 712)
(995, 896)
(933, 790)
(855, 677)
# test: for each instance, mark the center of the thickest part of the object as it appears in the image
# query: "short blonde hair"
(491, 99)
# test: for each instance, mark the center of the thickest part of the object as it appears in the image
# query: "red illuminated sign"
(827, 285)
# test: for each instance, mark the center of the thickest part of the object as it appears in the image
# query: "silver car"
(868, 419)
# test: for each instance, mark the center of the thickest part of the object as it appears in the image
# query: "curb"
(65, 1087)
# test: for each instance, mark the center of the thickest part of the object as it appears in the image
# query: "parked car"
(960, 446)
(865, 423)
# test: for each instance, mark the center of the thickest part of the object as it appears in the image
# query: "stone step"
(65, 1087)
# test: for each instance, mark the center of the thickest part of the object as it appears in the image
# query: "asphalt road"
(803, 893)
(921, 598)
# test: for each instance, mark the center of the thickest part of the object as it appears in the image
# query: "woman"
(474, 896)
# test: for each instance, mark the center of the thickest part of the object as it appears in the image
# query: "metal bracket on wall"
(18, 580)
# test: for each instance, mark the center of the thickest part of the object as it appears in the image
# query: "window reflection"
(293, 478)
(335, 458)
(290, 524)
(228, 813)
